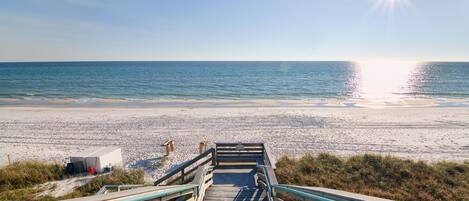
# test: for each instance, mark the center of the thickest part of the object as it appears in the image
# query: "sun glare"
(390, 6)
(382, 80)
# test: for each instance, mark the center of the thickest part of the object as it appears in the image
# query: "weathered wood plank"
(236, 149)
(210, 152)
(240, 153)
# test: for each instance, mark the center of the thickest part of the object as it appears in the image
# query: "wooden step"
(225, 188)
(256, 159)
(222, 192)
(227, 194)
(235, 199)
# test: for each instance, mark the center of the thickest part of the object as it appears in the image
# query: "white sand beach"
(53, 133)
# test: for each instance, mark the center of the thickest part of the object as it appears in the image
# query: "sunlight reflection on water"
(384, 80)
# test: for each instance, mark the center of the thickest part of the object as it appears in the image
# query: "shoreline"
(52, 134)
(234, 103)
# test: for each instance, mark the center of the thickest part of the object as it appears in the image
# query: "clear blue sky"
(234, 30)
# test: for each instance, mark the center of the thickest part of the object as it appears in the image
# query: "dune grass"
(18, 180)
(24, 194)
(381, 176)
(117, 177)
(28, 173)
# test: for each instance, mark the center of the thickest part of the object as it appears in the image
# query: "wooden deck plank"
(235, 182)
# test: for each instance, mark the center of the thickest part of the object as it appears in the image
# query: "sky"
(77, 30)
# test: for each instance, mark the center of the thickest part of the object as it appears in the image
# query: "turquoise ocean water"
(231, 80)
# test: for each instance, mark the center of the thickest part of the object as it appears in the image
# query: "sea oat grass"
(381, 176)
(28, 173)
(117, 177)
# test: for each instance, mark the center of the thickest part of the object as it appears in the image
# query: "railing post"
(214, 157)
(182, 176)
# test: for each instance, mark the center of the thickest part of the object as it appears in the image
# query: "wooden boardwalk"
(228, 172)
(235, 175)
(235, 182)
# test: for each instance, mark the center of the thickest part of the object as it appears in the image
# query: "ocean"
(203, 80)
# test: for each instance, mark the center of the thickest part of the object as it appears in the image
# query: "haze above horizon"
(353, 30)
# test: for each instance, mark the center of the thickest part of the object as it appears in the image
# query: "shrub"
(116, 177)
(17, 180)
(381, 176)
(24, 194)
(26, 174)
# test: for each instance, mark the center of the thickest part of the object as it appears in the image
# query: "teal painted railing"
(192, 191)
(187, 168)
(299, 194)
(264, 181)
(198, 187)
(162, 193)
(203, 179)
(105, 188)
(268, 182)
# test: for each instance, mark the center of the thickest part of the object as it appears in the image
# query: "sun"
(390, 6)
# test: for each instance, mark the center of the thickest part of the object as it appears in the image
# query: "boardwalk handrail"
(267, 181)
(300, 194)
(239, 152)
(268, 159)
(264, 177)
(182, 169)
(176, 191)
(323, 194)
(146, 193)
(105, 188)
(305, 192)
(204, 179)
(193, 191)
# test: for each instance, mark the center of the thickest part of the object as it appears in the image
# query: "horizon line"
(51, 61)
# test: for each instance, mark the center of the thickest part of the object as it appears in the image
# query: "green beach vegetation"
(28, 173)
(380, 176)
(116, 177)
(18, 181)
(374, 175)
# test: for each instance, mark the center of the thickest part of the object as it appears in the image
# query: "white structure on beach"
(100, 158)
